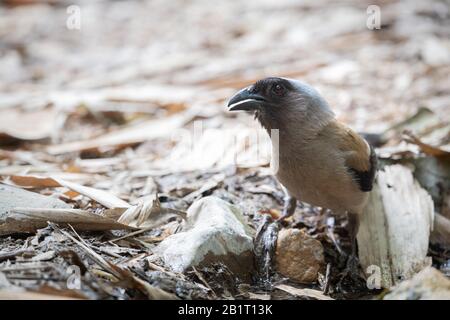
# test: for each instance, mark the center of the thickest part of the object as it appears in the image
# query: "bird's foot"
(284, 216)
(290, 204)
(350, 275)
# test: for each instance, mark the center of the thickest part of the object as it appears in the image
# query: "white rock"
(395, 227)
(215, 231)
(429, 284)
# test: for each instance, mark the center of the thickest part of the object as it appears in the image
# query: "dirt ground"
(134, 103)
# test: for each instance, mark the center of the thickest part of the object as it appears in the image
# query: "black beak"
(245, 100)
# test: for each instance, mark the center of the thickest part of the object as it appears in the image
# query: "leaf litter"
(115, 139)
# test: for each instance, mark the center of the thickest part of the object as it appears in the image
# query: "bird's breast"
(318, 181)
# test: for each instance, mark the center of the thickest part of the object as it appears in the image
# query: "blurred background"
(118, 95)
(89, 79)
(199, 52)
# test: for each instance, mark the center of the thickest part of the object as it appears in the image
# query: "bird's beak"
(245, 100)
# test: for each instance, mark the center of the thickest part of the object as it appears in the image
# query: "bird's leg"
(353, 227)
(352, 265)
(290, 203)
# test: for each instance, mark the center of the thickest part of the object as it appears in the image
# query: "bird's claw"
(351, 271)
(284, 216)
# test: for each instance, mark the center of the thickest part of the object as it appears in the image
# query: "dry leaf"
(128, 135)
(105, 198)
(27, 125)
(29, 295)
(34, 181)
(426, 148)
(126, 278)
(310, 293)
(28, 220)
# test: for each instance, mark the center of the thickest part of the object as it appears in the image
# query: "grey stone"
(215, 231)
(428, 284)
(13, 197)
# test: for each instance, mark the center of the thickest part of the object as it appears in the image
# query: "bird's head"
(280, 103)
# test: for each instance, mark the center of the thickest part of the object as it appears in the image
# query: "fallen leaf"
(105, 198)
(27, 125)
(127, 279)
(310, 293)
(29, 295)
(425, 147)
(128, 135)
(28, 220)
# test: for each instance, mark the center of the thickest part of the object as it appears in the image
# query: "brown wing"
(365, 178)
(360, 158)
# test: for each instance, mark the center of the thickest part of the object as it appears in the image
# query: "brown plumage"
(355, 148)
(317, 159)
(325, 170)
(360, 157)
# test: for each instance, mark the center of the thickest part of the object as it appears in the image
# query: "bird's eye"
(278, 89)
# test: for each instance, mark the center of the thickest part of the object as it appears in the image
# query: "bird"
(317, 159)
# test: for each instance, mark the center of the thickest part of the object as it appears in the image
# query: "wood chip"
(395, 228)
(310, 293)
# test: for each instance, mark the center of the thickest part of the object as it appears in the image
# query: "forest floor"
(134, 104)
